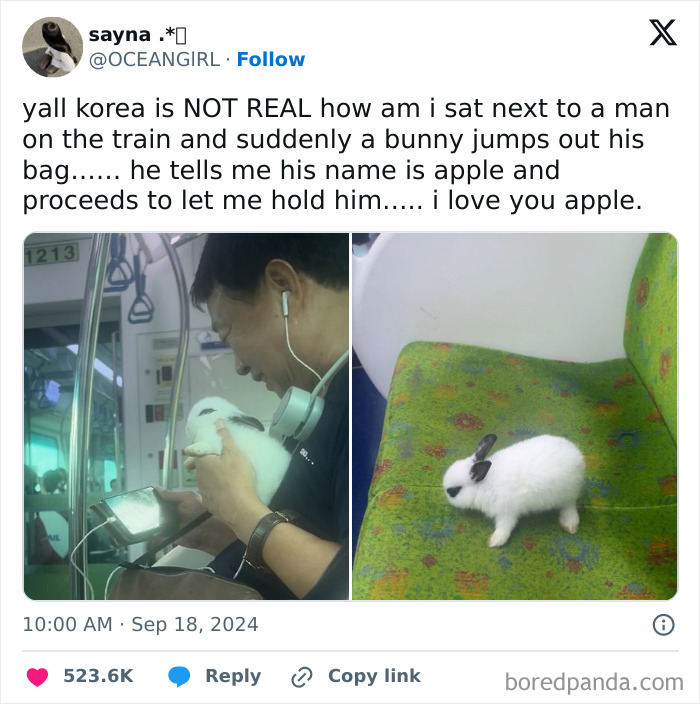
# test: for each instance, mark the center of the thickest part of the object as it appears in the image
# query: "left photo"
(186, 416)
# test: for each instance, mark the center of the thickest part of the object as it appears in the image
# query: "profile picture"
(52, 47)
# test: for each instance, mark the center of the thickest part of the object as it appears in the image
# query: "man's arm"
(227, 485)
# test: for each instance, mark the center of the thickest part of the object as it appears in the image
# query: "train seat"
(619, 410)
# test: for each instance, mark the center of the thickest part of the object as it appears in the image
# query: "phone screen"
(138, 511)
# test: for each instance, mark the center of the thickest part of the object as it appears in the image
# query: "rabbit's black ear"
(479, 470)
(484, 446)
(249, 421)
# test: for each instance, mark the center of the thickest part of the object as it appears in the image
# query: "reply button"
(234, 678)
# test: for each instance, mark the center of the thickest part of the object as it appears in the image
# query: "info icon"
(663, 625)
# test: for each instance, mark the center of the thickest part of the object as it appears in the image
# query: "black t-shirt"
(316, 487)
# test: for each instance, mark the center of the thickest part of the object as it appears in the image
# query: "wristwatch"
(253, 553)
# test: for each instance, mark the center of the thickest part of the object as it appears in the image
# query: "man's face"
(254, 330)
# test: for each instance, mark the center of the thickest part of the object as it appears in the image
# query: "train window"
(43, 453)
(110, 475)
(50, 357)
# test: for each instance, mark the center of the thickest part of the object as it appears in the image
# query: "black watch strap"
(253, 553)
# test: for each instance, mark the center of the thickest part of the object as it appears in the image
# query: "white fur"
(61, 60)
(539, 474)
(269, 459)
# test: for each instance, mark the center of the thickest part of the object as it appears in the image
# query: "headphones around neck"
(299, 411)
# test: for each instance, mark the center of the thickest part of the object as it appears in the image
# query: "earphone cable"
(303, 364)
(91, 591)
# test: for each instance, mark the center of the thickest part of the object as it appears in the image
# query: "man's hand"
(212, 536)
(227, 486)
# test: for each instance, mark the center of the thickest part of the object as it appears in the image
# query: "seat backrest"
(554, 295)
(650, 338)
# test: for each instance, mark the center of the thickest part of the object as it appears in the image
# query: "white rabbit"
(268, 457)
(539, 474)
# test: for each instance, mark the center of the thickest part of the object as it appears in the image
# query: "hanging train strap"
(119, 273)
(142, 308)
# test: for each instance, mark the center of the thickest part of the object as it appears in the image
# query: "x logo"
(663, 32)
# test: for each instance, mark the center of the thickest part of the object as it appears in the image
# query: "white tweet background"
(368, 51)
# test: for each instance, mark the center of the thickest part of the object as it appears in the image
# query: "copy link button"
(663, 624)
(301, 677)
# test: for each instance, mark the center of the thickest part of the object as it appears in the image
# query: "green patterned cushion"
(650, 326)
(443, 399)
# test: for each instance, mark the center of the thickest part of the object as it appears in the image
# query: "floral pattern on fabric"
(650, 329)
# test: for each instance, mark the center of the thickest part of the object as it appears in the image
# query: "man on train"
(281, 302)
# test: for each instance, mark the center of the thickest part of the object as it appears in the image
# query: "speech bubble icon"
(179, 675)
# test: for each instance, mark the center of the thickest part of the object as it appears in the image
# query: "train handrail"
(80, 416)
(180, 359)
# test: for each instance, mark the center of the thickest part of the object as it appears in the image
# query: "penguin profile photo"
(52, 47)
(59, 55)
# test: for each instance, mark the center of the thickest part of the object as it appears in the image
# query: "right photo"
(514, 416)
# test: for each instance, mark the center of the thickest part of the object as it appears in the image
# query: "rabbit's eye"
(453, 491)
(206, 411)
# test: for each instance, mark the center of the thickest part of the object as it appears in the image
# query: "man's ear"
(281, 276)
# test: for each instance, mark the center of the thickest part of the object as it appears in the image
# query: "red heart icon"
(37, 677)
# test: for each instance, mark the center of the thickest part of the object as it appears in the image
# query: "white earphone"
(299, 411)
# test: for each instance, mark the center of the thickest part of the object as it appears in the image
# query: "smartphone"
(140, 515)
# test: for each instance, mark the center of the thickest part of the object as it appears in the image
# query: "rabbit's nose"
(453, 491)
